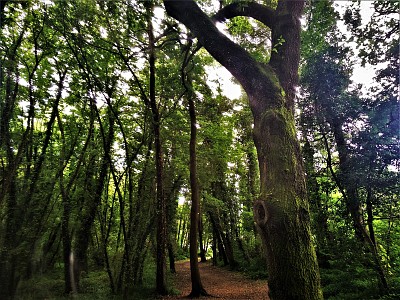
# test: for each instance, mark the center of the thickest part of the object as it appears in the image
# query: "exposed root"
(200, 293)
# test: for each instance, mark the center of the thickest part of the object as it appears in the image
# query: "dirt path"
(220, 283)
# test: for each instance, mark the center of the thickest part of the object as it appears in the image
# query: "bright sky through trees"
(361, 74)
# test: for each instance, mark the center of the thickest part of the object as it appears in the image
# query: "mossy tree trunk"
(281, 212)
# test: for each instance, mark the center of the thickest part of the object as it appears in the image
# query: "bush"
(41, 287)
(349, 279)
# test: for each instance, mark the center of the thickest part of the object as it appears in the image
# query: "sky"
(361, 75)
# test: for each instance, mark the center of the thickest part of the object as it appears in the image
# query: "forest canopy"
(121, 153)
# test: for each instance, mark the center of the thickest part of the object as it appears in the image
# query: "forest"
(125, 150)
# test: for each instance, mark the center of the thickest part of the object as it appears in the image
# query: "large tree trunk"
(281, 212)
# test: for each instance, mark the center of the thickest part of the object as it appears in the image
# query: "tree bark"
(161, 283)
(217, 233)
(178, 232)
(201, 243)
(370, 218)
(225, 242)
(68, 260)
(281, 212)
(171, 256)
(214, 248)
(184, 234)
(9, 277)
(197, 286)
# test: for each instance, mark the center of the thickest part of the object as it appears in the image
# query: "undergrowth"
(94, 286)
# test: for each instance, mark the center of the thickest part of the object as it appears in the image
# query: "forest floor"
(220, 283)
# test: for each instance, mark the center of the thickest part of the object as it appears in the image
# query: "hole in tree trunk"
(260, 212)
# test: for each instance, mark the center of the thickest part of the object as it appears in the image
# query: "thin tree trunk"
(227, 243)
(171, 256)
(214, 248)
(370, 216)
(92, 202)
(161, 283)
(105, 236)
(219, 241)
(9, 277)
(69, 281)
(11, 223)
(240, 245)
(354, 205)
(183, 235)
(70, 284)
(201, 243)
(369, 200)
(197, 286)
(178, 233)
(174, 185)
(67, 254)
(8, 260)
(324, 237)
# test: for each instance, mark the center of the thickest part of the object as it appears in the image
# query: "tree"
(197, 286)
(281, 212)
(161, 284)
(94, 130)
(334, 108)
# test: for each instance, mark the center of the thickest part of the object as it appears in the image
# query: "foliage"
(77, 148)
(347, 153)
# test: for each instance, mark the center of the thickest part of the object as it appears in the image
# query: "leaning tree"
(281, 211)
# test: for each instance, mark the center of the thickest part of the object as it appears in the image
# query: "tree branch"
(234, 58)
(253, 10)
